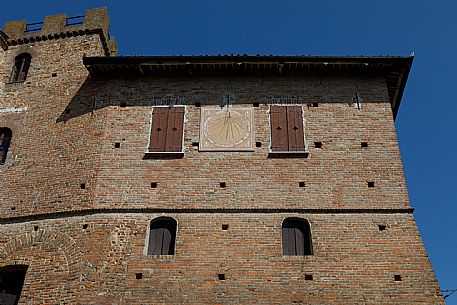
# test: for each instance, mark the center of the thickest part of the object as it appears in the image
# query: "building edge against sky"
(200, 179)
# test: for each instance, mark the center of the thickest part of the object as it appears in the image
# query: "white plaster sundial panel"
(227, 129)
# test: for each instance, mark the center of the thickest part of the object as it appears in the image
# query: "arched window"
(5, 141)
(296, 237)
(162, 236)
(11, 282)
(21, 67)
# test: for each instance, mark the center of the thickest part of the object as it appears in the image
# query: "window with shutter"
(167, 129)
(11, 283)
(21, 67)
(162, 236)
(5, 141)
(287, 133)
(296, 237)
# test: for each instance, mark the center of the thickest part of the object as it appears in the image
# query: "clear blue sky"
(426, 125)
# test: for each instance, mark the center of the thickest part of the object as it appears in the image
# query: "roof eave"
(398, 65)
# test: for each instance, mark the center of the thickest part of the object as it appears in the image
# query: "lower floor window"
(162, 236)
(296, 237)
(11, 283)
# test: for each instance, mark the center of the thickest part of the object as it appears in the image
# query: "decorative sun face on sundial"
(226, 128)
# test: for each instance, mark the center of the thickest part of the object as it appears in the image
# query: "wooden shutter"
(299, 242)
(288, 240)
(166, 242)
(175, 129)
(162, 237)
(279, 139)
(296, 237)
(155, 241)
(295, 133)
(159, 129)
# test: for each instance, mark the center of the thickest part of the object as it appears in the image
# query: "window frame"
(15, 74)
(300, 153)
(3, 157)
(148, 234)
(8, 269)
(160, 153)
(305, 222)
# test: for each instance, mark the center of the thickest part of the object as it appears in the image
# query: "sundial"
(226, 128)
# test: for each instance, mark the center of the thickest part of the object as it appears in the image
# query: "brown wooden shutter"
(288, 241)
(159, 129)
(175, 129)
(155, 241)
(295, 128)
(299, 242)
(279, 139)
(166, 243)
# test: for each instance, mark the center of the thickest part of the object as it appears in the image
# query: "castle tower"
(201, 179)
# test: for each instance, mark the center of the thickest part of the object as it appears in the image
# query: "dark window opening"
(82, 186)
(35, 228)
(364, 144)
(54, 74)
(222, 184)
(167, 129)
(221, 277)
(287, 133)
(225, 227)
(301, 184)
(382, 227)
(139, 275)
(85, 226)
(296, 237)
(308, 277)
(195, 144)
(11, 283)
(21, 67)
(5, 140)
(258, 144)
(370, 183)
(154, 185)
(255, 104)
(117, 145)
(162, 236)
(397, 277)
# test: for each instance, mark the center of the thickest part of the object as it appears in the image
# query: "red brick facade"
(79, 189)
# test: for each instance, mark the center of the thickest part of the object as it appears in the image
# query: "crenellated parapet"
(95, 21)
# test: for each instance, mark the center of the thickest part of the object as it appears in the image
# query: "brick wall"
(87, 245)
(353, 262)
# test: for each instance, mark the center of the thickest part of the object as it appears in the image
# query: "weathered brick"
(90, 243)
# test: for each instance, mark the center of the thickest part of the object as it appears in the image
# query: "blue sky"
(426, 125)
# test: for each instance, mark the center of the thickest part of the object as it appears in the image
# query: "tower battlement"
(94, 21)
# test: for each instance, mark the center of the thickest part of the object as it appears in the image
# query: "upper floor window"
(167, 129)
(162, 236)
(287, 133)
(296, 237)
(11, 283)
(5, 141)
(21, 67)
